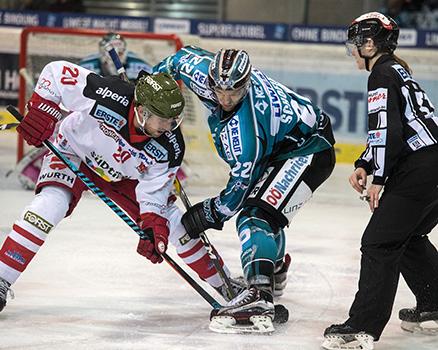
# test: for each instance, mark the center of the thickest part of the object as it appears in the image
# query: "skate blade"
(360, 342)
(227, 324)
(425, 328)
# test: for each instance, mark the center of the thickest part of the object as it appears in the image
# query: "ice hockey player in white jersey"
(126, 139)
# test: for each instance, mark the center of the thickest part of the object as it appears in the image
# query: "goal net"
(41, 45)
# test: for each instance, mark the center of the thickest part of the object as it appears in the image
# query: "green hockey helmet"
(159, 94)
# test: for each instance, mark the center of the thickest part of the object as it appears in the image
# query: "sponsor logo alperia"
(174, 142)
(107, 93)
(37, 221)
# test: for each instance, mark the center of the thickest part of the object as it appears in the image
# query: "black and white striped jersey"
(401, 119)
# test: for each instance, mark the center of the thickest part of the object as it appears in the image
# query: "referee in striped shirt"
(402, 157)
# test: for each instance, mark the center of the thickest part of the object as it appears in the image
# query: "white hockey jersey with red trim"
(99, 130)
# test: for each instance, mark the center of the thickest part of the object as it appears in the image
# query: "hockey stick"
(121, 214)
(27, 78)
(116, 60)
(208, 246)
(8, 126)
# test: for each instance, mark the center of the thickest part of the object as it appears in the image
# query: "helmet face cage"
(119, 44)
(381, 29)
(229, 70)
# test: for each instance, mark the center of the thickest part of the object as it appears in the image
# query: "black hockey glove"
(201, 217)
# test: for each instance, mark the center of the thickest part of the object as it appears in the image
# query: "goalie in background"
(102, 64)
(126, 139)
(402, 157)
(279, 147)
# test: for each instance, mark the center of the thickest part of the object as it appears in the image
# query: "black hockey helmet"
(383, 30)
(229, 70)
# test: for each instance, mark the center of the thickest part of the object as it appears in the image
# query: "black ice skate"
(422, 322)
(280, 275)
(250, 312)
(4, 290)
(342, 336)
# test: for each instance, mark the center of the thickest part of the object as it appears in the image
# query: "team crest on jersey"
(46, 85)
(142, 169)
(377, 100)
(109, 117)
(261, 106)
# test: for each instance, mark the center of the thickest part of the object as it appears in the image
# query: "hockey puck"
(281, 314)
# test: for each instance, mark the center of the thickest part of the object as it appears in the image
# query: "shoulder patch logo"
(402, 72)
(377, 100)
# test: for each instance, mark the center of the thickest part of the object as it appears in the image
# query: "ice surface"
(88, 289)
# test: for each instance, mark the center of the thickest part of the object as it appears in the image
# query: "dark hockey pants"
(395, 241)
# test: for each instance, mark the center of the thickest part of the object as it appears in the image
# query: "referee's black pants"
(395, 241)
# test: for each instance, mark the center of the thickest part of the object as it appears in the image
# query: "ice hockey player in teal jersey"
(279, 147)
